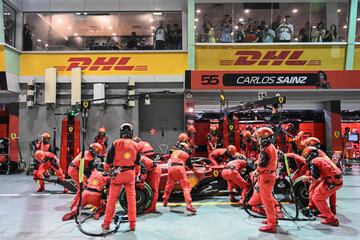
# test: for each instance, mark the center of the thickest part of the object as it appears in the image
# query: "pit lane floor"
(25, 214)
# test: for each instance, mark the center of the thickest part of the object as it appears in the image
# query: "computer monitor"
(353, 137)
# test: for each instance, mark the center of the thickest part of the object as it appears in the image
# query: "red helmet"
(96, 148)
(310, 153)
(311, 142)
(248, 128)
(184, 147)
(231, 150)
(191, 129)
(39, 155)
(238, 155)
(102, 130)
(183, 137)
(246, 134)
(264, 135)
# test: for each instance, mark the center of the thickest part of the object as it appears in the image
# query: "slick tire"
(143, 198)
(301, 191)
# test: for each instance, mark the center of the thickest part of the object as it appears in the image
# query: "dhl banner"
(263, 57)
(240, 80)
(34, 64)
(357, 58)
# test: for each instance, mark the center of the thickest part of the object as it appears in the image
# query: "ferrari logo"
(70, 129)
(216, 173)
(127, 155)
(231, 127)
(85, 104)
(95, 182)
(281, 99)
(337, 134)
(13, 136)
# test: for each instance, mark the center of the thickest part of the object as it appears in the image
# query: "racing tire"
(143, 198)
(301, 191)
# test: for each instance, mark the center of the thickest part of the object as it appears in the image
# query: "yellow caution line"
(198, 204)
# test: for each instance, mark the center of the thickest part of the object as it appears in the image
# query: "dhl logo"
(101, 64)
(274, 58)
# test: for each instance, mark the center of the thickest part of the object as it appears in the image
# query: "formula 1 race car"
(209, 183)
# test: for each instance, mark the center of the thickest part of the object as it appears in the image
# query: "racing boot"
(279, 213)
(268, 228)
(65, 190)
(165, 202)
(42, 187)
(132, 225)
(150, 210)
(333, 209)
(241, 203)
(68, 216)
(105, 226)
(321, 215)
(232, 198)
(266, 222)
(190, 208)
(99, 213)
(258, 210)
(332, 221)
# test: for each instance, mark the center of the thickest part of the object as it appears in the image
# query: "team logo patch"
(216, 173)
(193, 181)
(127, 155)
(95, 182)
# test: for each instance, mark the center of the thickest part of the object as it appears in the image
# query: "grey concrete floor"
(25, 214)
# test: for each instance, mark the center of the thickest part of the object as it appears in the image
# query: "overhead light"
(76, 34)
(85, 13)
(358, 19)
(151, 20)
(46, 45)
(78, 13)
(241, 19)
(157, 13)
(196, 19)
(314, 26)
(194, 27)
(236, 27)
(114, 34)
(246, 10)
(38, 40)
(294, 10)
(147, 100)
(190, 109)
(69, 27)
(296, 39)
(6, 13)
(339, 10)
(59, 20)
(345, 26)
(110, 28)
(198, 11)
(232, 33)
(152, 27)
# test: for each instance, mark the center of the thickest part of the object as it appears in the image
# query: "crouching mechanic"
(266, 172)
(95, 150)
(327, 179)
(124, 159)
(297, 164)
(47, 161)
(177, 172)
(92, 195)
(151, 173)
(232, 175)
(222, 155)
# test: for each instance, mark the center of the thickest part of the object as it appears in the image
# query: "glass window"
(103, 31)
(270, 21)
(357, 35)
(9, 24)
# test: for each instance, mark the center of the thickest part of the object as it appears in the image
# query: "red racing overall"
(50, 162)
(212, 141)
(330, 181)
(125, 158)
(266, 180)
(91, 195)
(177, 172)
(231, 174)
(145, 148)
(297, 163)
(151, 172)
(218, 156)
(73, 172)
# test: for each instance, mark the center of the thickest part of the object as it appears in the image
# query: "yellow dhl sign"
(34, 64)
(2, 58)
(357, 58)
(260, 57)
